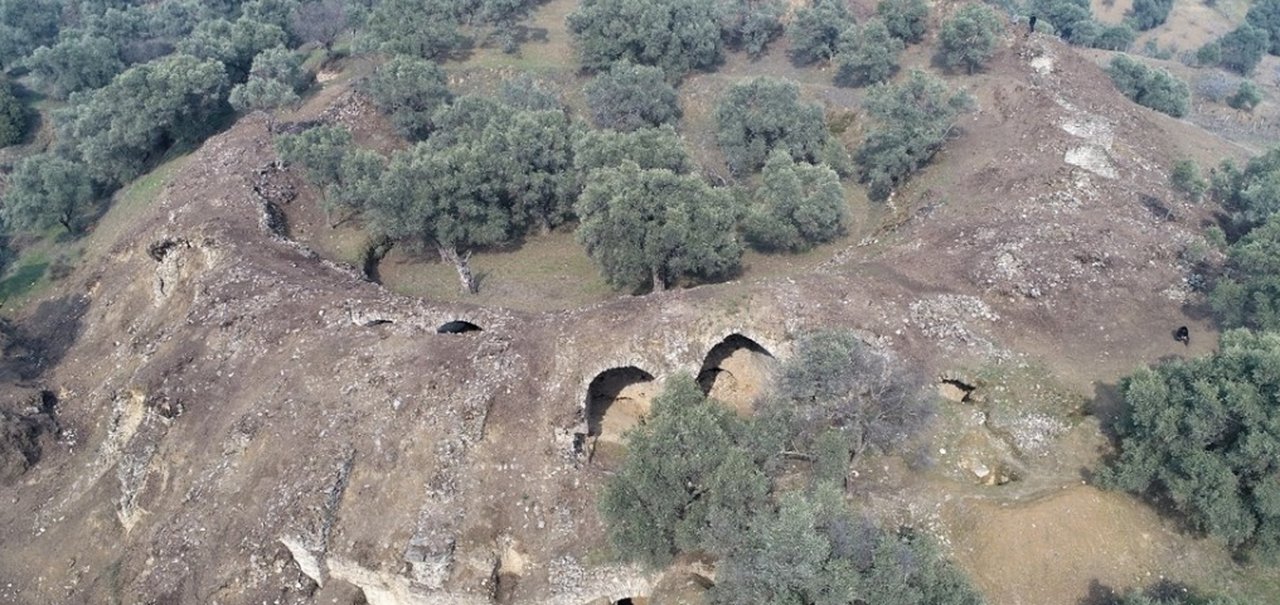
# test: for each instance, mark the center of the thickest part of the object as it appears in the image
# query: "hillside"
(243, 417)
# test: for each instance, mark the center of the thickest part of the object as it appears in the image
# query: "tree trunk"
(659, 284)
(460, 262)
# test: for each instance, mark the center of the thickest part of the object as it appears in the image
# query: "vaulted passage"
(616, 401)
(458, 326)
(736, 371)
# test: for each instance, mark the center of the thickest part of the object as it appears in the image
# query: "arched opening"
(458, 326)
(736, 371)
(631, 601)
(617, 399)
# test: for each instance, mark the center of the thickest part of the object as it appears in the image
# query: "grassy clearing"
(546, 272)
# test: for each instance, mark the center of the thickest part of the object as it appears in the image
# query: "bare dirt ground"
(245, 419)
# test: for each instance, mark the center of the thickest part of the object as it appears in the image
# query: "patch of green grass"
(22, 279)
(129, 203)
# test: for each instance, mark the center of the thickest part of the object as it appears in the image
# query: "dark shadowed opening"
(736, 371)
(458, 326)
(616, 399)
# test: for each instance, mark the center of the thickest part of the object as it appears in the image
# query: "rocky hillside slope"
(241, 421)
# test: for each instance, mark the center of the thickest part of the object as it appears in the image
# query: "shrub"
(969, 37)
(907, 20)
(867, 55)
(629, 96)
(1195, 436)
(1153, 88)
(13, 115)
(1172, 593)
(911, 121)
(813, 546)
(1247, 96)
(674, 35)
(836, 382)
(409, 90)
(797, 206)
(1216, 85)
(763, 114)
(815, 30)
(1185, 179)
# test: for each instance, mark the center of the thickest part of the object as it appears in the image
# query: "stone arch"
(736, 371)
(617, 399)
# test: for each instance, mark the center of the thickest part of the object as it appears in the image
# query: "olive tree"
(409, 90)
(317, 150)
(648, 148)
(907, 20)
(319, 21)
(969, 37)
(1265, 15)
(910, 122)
(655, 226)
(674, 35)
(46, 190)
(815, 30)
(1150, 87)
(686, 471)
(122, 127)
(750, 25)
(1248, 292)
(13, 115)
(763, 114)
(1250, 195)
(813, 547)
(426, 29)
(1198, 437)
(444, 199)
(75, 63)
(630, 96)
(867, 54)
(797, 206)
